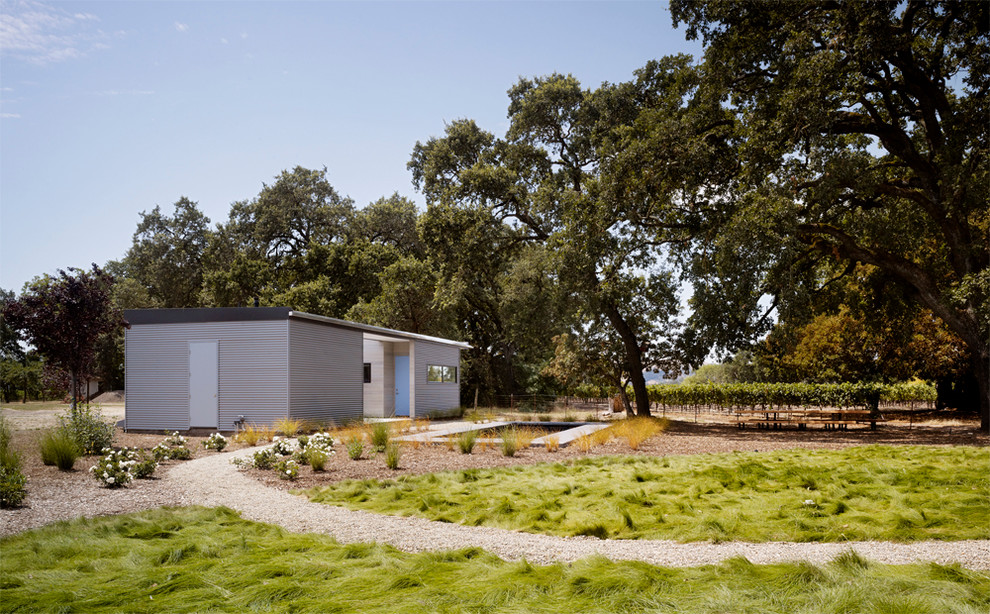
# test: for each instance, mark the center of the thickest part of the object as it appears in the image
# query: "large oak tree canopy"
(865, 140)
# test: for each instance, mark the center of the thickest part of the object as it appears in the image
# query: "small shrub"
(303, 441)
(355, 447)
(145, 466)
(552, 443)
(90, 430)
(392, 455)
(287, 469)
(380, 434)
(320, 440)
(466, 441)
(510, 442)
(216, 441)
(288, 427)
(264, 459)
(544, 417)
(59, 448)
(175, 439)
(570, 417)
(113, 470)
(12, 486)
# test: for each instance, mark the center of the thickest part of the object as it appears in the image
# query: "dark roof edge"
(254, 314)
(205, 314)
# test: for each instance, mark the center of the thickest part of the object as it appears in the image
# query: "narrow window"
(367, 373)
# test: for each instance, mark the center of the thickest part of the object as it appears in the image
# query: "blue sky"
(110, 108)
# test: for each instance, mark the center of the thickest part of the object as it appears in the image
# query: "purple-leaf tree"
(63, 316)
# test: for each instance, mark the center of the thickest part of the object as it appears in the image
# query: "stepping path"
(213, 481)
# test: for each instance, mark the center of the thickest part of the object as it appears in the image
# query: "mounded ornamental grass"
(199, 560)
(900, 493)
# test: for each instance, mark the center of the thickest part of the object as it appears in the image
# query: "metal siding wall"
(436, 396)
(253, 372)
(326, 374)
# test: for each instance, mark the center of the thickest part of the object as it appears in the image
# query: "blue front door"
(401, 385)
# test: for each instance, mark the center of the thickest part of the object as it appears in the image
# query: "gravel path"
(213, 481)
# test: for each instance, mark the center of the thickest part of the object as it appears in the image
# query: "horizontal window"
(440, 373)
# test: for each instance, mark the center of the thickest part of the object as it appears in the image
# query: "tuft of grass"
(892, 493)
(288, 426)
(466, 441)
(249, 435)
(552, 443)
(393, 454)
(210, 560)
(510, 441)
(380, 435)
(527, 435)
(637, 430)
(584, 443)
(355, 446)
(58, 447)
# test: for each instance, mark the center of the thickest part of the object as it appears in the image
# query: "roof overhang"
(255, 314)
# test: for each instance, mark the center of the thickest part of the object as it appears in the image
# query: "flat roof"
(255, 314)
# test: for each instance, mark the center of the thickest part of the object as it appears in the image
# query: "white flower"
(809, 502)
(110, 480)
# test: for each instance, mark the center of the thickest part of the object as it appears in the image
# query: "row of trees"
(820, 176)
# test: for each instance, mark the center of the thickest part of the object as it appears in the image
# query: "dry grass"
(584, 443)
(552, 443)
(637, 430)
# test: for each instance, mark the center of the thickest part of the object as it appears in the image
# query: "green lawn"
(895, 493)
(209, 560)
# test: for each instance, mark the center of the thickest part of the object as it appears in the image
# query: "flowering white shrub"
(287, 469)
(321, 440)
(264, 458)
(115, 468)
(216, 441)
(175, 439)
(281, 446)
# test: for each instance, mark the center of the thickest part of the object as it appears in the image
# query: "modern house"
(222, 368)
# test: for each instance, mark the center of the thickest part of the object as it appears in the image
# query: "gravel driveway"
(213, 481)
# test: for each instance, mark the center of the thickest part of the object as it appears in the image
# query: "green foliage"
(287, 469)
(90, 430)
(763, 395)
(216, 441)
(144, 466)
(58, 447)
(265, 459)
(317, 459)
(868, 493)
(12, 481)
(195, 559)
(355, 447)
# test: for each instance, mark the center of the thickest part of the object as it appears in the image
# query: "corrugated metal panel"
(326, 374)
(253, 359)
(436, 396)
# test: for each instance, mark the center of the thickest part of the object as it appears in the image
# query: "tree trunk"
(634, 358)
(75, 390)
(981, 365)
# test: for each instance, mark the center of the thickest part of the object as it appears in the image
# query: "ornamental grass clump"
(466, 441)
(249, 435)
(510, 442)
(380, 434)
(552, 443)
(393, 453)
(216, 441)
(114, 469)
(59, 448)
(288, 427)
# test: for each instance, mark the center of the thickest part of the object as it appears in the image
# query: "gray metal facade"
(253, 378)
(435, 396)
(326, 374)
